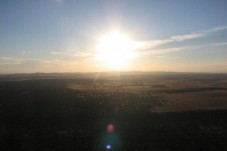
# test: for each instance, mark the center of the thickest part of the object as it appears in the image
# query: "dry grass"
(179, 94)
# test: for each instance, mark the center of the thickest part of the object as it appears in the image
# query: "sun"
(115, 50)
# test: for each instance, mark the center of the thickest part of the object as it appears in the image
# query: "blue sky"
(60, 35)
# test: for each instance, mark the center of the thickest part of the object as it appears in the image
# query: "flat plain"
(150, 111)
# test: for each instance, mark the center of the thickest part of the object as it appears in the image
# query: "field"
(150, 111)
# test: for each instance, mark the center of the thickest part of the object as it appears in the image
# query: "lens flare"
(108, 146)
(110, 128)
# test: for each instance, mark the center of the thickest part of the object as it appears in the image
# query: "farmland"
(150, 111)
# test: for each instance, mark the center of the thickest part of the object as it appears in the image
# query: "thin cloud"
(186, 37)
(197, 34)
(145, 45)
(216, 29)
(58, 53)
(59, 62)
(176, 49)
(168, 57)
(82, 54)
(151, 43)
(75, 54)
(162, 51)
(26, 52)
(15, 61)
(10, 61)
(18, 61)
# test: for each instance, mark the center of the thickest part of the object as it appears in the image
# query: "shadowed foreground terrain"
(150, 111)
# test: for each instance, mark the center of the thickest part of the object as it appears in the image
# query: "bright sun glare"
(115, 50)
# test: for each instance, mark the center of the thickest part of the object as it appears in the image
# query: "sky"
(62, 35)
